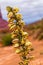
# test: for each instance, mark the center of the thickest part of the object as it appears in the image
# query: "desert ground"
(9, 57)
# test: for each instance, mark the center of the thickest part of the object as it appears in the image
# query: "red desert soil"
(9, 57)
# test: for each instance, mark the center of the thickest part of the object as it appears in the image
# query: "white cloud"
(29, 8)
(11, 0)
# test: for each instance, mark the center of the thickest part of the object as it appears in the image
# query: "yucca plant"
(20, 41)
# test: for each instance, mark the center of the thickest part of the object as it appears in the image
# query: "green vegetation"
(31, 27)
(38, 26)
(41, 37)
(6, 40)
(36, 30)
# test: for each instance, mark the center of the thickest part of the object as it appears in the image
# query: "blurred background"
(32, 11)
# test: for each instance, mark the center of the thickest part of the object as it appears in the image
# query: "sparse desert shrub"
(6, 40)
(31, 33)
(41, 37)
(31, 27)
(38, 26)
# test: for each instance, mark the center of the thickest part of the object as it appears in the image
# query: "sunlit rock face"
(3, 24)
(4, 29)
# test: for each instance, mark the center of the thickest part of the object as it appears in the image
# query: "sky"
(32, 10)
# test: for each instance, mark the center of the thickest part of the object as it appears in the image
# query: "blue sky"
(32, 10)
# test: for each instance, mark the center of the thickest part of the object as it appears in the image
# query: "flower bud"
(15, 10)
(28, 43)
(13, 35)
(12, 27)
(18, 51)
(10, 14)
(16, 45)
(19, 16)
(15, 41)
(11, 20)
(21, 22)
(25, 33)
(8, 8)
(22, 41)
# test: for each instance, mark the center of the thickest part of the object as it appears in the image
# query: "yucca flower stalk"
(19, 37)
